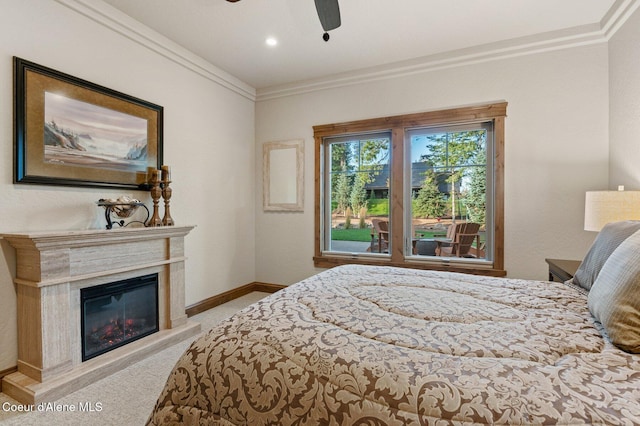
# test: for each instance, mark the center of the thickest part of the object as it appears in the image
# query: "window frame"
(398, 126)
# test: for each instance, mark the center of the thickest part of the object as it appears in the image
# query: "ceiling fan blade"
(329, 14)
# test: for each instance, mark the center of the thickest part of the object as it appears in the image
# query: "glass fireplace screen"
(118, 313)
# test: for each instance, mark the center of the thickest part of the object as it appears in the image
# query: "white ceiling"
(374, 33)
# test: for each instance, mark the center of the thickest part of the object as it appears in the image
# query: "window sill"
(333, 261)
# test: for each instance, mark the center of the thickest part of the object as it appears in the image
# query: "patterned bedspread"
(390, 346)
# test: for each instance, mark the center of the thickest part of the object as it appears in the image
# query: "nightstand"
(562, 270)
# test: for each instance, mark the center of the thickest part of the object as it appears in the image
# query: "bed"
(375, 346)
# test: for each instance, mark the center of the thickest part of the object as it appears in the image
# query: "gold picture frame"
(72, 132)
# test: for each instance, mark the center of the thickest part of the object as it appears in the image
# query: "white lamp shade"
(602, 207)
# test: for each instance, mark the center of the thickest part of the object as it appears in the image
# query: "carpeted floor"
(124, 398)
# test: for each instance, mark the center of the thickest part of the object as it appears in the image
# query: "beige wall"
(208, 141)
(556, 149)
(624, 112)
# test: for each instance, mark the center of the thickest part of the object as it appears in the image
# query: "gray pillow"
(609, 238)
(614, 299)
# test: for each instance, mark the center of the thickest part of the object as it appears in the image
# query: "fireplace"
(118, 313)
(65, 276)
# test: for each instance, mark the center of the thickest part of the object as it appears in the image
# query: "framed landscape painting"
(69, 131)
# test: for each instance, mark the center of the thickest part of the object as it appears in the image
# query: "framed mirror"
(283, 175)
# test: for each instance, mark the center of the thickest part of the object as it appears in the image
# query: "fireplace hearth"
(118, 313)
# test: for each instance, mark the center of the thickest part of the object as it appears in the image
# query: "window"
(448, 191)
(422, 190)
(356, 188)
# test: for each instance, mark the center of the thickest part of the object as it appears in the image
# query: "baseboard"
(229, 295)
(6, 372)
(267, 288)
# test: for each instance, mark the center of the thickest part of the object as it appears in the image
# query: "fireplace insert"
(118, 313)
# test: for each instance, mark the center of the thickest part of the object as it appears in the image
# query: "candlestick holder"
(156, 193)
(167, 220)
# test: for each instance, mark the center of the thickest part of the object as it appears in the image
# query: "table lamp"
(602, 207)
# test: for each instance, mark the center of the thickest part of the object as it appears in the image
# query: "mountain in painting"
(138, 152)
(54, 136)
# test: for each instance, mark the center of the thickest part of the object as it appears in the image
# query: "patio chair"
(379, 236)
(459, 240)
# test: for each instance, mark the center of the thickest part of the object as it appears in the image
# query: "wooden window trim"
(397, 125)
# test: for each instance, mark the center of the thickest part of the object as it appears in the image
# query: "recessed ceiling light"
(271, 41)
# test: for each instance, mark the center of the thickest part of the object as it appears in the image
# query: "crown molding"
(617, 16)
(491, 52)
(540, 43)
(123, 24)
(110, 17)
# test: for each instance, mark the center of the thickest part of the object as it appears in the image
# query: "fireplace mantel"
(52, 268)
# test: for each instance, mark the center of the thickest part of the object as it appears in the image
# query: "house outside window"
(422, 191)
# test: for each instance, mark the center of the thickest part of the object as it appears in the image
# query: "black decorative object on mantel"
(123, 207)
